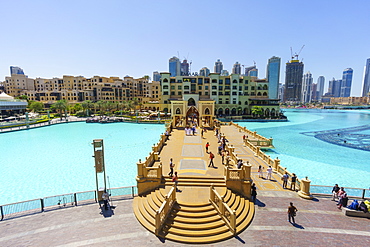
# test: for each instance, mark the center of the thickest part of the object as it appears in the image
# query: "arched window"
(265, 87)
(165, 80)
(259, 94)
(178, 111)
(233, 112)
(235, 81)
(240, 102)
(227, 111)
(264, 94)
(206, 111)
(220, 111)
(191, 102)
(246, 102)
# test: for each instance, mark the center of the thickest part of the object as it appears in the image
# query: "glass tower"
(320, 87)
(218, 66)
(273, 76)
(174, 66)
(306, 88)
(16, 71)
(345, 90)
(366, 84)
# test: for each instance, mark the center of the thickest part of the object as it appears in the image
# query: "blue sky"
(118, 38)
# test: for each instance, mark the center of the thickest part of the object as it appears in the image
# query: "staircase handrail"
(227, 215)
(164, 210)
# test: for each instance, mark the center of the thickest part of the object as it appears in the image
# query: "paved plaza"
(319, 222)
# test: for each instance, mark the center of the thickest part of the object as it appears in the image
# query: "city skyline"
(117, 38)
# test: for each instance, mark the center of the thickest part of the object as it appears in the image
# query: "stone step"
(201, 184)
(199, 226)
(188, 220)
(194, 208)
(197, 233)
(199, 239)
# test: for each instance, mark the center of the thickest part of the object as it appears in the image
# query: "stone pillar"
(254, 133)
(247, 171)
(156, 156)
(276, 164)
(271, 139)
(140, 169)
(257, 151)
(304, 191)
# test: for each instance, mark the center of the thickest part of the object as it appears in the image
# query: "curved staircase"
(193, 223)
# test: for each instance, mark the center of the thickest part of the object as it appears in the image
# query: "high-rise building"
(334, 88)
(253, 72)
(248, 69)
(218, 66)
(306, 87)
(174, 66)
(156, 76)
(16, 71)
(345, 90)
(273, 76)
(366, 83)
(204, 72)
(237, 68)
(314, 93)
(184, 67)
(224, 72)
(293, 81)
(320, 87)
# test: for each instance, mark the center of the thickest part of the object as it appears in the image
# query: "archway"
(273, 113)
(192, 116)
(267, 113)
(233, 112)
(227, 112)
(220, 111)
(206, 111)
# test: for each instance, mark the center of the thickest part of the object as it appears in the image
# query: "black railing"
(19, 209)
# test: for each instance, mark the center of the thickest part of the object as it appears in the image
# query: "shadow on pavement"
(259, 203)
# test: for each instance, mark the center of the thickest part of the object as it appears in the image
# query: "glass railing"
(18, 209)
(351, 192)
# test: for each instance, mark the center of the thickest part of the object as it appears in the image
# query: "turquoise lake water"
(324, 163)
(58, 159)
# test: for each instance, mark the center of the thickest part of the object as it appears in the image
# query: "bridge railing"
(228, 215)
(351, 192)
(19, 209)
(164, 210)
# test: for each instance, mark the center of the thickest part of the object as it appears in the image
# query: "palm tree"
(101, 106)
(87, 106)
(60, 105)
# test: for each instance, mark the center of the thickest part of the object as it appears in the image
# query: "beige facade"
(349, 101)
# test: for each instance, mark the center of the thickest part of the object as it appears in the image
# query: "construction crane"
(296, 55)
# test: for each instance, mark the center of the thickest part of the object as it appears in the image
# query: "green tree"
(24, 97)
(77, 107)
(60, 106)
(87, 106)
(36, 106)
(257, 111)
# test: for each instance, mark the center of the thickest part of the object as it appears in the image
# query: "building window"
(206, 87)
(220, 88)
(246, 88)
(165, 87)
(200, 87)
(172, 87)
(227, 81)
(165, 93)
(214, 93)
(220, 101)
(246, 82)
(172, 93)
(179, 93)
(235, 81)
(220, 81)
(179, 87)
(235, 93)
(214, 81)
(206, 93)
(186, 87)
(235, 87)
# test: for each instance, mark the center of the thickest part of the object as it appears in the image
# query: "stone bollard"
(257, 152)
(304, 191)
(247, 171)
(140, 167)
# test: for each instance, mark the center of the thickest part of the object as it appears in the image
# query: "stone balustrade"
(162, 213)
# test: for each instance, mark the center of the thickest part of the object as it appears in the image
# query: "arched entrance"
(192, 116)
(191, 102)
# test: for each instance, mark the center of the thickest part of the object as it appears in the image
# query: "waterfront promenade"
(319, 222)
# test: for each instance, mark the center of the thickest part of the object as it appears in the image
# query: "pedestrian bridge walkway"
(211, 203)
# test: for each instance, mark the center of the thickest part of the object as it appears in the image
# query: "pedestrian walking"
(253, 193)
(211, 157)
(172, 165)
(292, 212)
(175, 179)
(294, 180)
(269, 172)
(285, 178)
(260, 171)
(207, 146)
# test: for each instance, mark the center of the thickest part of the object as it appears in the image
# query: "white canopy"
(4, 96)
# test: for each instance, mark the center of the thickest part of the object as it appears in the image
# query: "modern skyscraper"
(224, 72)
(156, 76)
(218, 66)
(253, 72)
(174, 66)
(293, 81)
(314, 93)
(346, 85)
(334, 88)
(366, 83)
(320, 87)
(236, 68)
(273, 76)
(16, 71)
(248, 69)
(184, 67)
(204, 72)
(306, 88)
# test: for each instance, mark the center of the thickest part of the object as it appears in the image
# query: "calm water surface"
(58, 159)
(322, 162)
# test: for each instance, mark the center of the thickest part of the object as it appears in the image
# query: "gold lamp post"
(99, 167)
